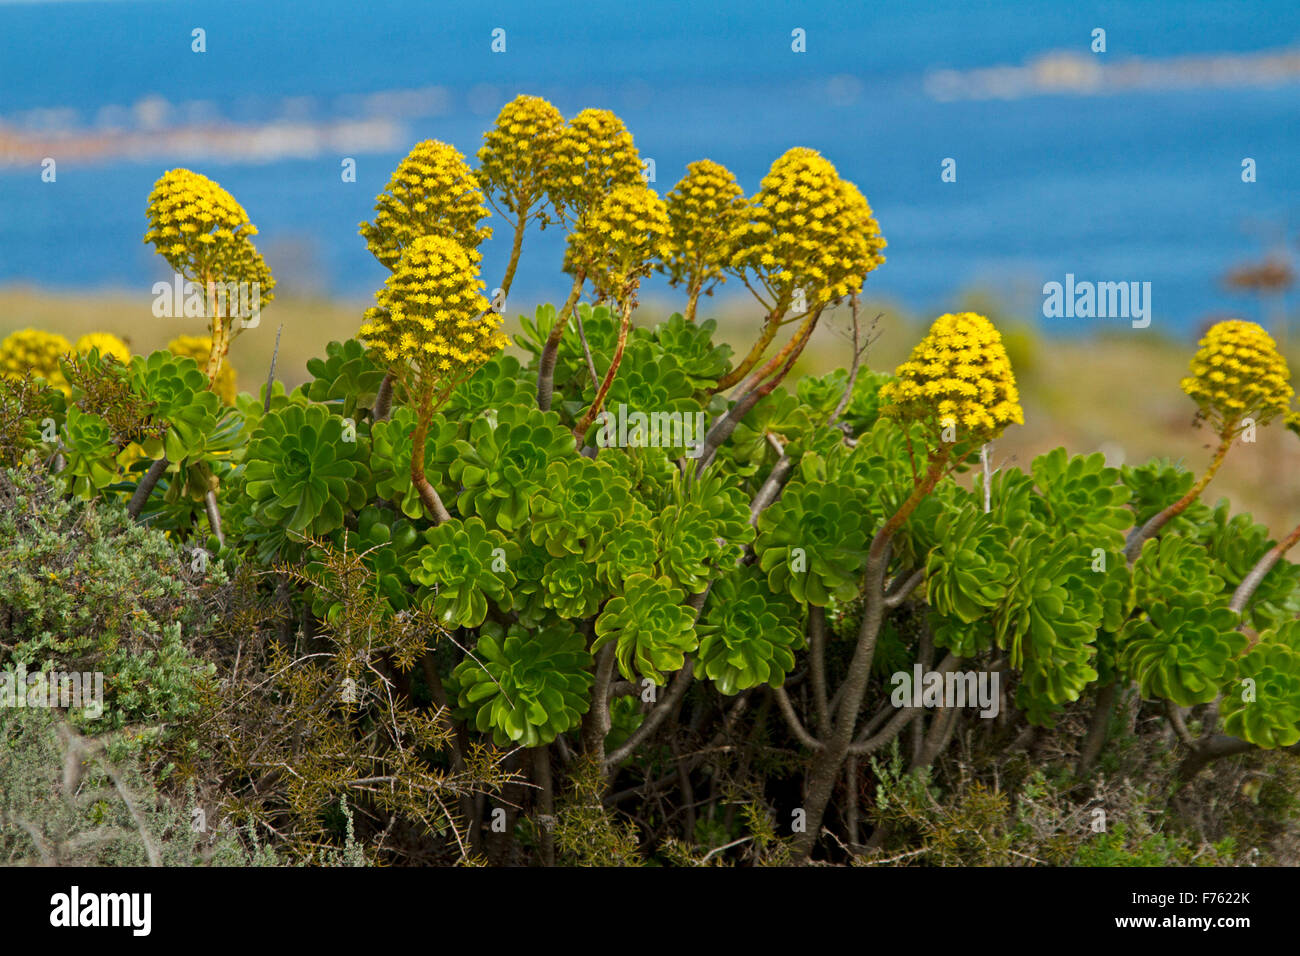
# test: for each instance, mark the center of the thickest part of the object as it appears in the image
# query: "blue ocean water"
(1140, 181)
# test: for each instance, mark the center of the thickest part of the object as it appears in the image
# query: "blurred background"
(1123, 165)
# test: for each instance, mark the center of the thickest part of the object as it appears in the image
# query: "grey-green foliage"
(66, 802)
(84, 588)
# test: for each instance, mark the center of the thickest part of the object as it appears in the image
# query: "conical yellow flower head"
(431, 193)
(808, 230)
(619, 239)
(35, 351)
(514, 162)
(432, 311)
(107, 345)
(594, 154)
(959, 376)
(1238, 373)
(203, 233)
(198, 347)
(704, 208)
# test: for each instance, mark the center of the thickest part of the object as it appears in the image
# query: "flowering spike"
(431, 193)
(958, 378)
(1238, 373)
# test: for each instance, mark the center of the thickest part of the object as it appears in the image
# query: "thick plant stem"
(676, 690)
(1134, 545)
(771, 325)
(146, 486)
(767, 494)
(1097, 727)
(545, 803)
(615, 362)
(214, 516)
(515, 250)
(596, 724)
(721, 430)
(383, 399)
(220, 334)
(851, 785)
(790, 352)
(828, 762)
(1260, 571)
(428, 496)
(817, 664)
(551, 350)
(1210, 749)
(692, 301)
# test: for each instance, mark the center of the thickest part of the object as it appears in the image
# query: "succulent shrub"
(347, 378)
(197, 423)
(580, 500)
(301, 475)
(749, 635)
(525, 687)
(691, 343)
(464, 564)
(1261, 703)
(90, 453)
(497, 383)
(631, 548)
(390, 458)
(504, 462)
(1179, 651)
(701, 529)
(495, 565)
(812, 544)
(649, 627)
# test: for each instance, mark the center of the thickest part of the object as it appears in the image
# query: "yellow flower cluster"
(203, 233)
(432, 311)
(959, 375)
(1238, 372)
(199, 347)
(106, 343)
(808, 229)
(514, 162)
(35, 351)
(431, 193)
(618, 240)
(704, 208)
(593, 154)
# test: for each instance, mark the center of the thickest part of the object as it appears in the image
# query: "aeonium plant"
(735, 570)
